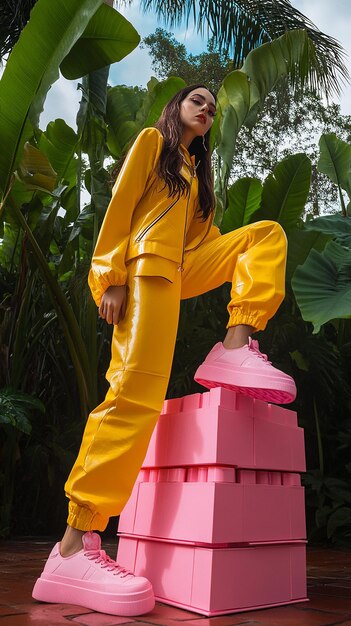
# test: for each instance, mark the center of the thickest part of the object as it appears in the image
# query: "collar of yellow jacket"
(187, 154)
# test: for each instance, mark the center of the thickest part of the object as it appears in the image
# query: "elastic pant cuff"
(83, 518)
(237, 317)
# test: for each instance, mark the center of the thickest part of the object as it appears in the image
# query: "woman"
(156, 246)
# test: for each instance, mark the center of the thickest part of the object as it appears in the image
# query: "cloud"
(62, 101)
(135, 69)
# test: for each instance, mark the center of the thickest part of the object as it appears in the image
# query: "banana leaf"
(122, 106)
(244, 91)
(32, 68)
(35, 170)
(336, 226)
(59, 143)
(322, 285)
(158, 94)
(300, 242)
(234, 100)
(285, 192)
(244, 198)
(288, 55)
(108, 38)
(335, 162)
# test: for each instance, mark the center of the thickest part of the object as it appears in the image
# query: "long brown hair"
(171, 161)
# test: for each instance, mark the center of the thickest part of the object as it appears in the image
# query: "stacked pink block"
(216, 519)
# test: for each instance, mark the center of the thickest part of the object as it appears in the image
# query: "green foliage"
(244, 199)
(301, 241)
(107, 38)
(59, 143)
(331, 499)
(335, 162)
(130, 109)
(244, 91)
(15, 407)
(322, 285)
(32, 68)
(236, 97)
(285, 191)
(35, 171)
(123, 104)
(337, 226)
(156, 98)
(281, 198)
(292, 124)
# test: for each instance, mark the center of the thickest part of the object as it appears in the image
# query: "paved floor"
(329, 591)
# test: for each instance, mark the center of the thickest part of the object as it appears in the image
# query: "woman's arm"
(108, 262)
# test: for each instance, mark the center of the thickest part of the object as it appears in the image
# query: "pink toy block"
(232, 401)
(221, 580)
(216, 518)
(215, 513)
(221, 427)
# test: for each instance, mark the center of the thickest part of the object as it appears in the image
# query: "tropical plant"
(322, 285)
(67, 30)
(15, 408)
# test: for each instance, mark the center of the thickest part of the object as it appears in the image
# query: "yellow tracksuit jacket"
(142, 219)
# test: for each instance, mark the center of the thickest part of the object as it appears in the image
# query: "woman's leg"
(118, 431)
(237, 336)
(113, 448)
(253, 259)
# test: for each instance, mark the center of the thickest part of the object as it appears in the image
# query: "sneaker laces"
(105, 561)
(254, 347)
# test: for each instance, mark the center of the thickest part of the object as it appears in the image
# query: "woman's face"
(197, 111)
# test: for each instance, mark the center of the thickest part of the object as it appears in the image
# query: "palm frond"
(239, 26)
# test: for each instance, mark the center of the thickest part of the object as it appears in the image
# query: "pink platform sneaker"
(92, 579)
(247, 371)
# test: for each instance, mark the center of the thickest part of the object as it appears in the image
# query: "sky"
(333, 17)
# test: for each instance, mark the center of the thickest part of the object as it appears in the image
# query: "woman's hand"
(113, 304)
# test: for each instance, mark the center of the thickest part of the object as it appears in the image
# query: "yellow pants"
(118, 431)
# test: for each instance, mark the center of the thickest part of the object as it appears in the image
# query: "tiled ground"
(329, 590)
